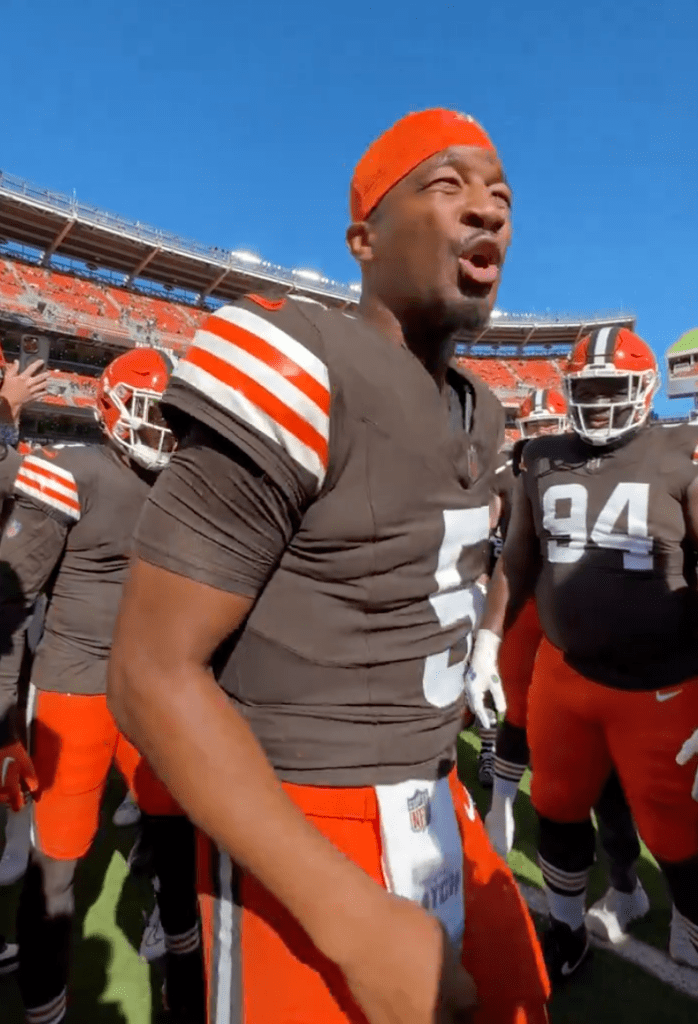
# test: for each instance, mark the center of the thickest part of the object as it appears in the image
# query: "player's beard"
(430, 329)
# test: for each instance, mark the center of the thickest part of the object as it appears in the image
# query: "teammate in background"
(16, 390)
(71, 534)
(544, 411)
(318, 535)
(601, 522)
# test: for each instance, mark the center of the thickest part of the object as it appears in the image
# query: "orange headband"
(401, 148)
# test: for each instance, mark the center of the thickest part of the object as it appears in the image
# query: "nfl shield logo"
(419, 807)
(13, 528)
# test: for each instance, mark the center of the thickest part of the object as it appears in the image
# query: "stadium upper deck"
(91, 284)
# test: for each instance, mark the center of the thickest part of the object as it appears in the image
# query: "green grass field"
(111, 985)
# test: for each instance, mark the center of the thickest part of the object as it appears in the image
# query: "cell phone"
(33, 347)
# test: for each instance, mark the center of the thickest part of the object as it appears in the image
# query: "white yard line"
(650, 959)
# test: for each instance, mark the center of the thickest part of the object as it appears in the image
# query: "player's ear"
(360, 241)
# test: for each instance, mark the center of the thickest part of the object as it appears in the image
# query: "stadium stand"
(536, 373)
(59, 299)
(89, 284)
(494, 372)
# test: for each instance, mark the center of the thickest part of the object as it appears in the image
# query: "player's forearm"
(509, 589)
(212, 763)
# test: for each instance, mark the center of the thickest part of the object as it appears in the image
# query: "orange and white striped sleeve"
(257, 374)
(50, 486)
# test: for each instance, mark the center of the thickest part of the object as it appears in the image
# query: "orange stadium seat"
(71, 298)
(536, 373)
(494, 372)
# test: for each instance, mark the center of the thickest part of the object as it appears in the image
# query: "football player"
(70, 534)
(600, 528)
(16, 390)
(291, 644)
(543, 411)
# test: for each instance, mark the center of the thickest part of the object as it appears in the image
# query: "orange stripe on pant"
(517, 656)
(578, 730)
(263, 969)
(73, 742)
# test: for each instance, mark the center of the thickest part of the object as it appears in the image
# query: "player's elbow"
(130, 683)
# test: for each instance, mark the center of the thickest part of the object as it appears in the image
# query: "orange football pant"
(578, 730)
(517, 656)
(262, 968)
(73, 741)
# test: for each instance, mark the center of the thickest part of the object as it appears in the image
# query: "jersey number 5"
(571, 529)
(453, 603)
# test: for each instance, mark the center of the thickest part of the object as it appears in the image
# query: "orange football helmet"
(128, 396)
(609, 383)
(543, 410)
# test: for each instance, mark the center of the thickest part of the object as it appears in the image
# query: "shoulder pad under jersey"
(256, 372)
(50, 478)
(680, 437)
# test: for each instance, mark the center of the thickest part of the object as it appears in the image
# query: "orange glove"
(16, 771)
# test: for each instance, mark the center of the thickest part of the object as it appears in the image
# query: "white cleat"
(683, 940)
(15, 857)
(153, 941)
(499, 825)
(609, 917)
(128, 812)
(9, 956)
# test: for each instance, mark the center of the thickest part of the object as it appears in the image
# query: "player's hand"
(689, 750)
(482, 678)
(406, 971)
(16, 773)
(18, 389)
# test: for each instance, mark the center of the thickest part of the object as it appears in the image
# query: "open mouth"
(480, 261)
(598, 420)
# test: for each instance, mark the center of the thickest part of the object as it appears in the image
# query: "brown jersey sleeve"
(47, 504)
(680, 461)
(30, 548)
(215, 516)
(10, 461)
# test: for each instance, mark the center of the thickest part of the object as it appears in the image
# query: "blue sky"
(239, 125)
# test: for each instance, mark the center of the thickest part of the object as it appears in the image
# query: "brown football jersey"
(613, 592)
(70, 533)
(10, 460)
(503, 487)
(365, 517)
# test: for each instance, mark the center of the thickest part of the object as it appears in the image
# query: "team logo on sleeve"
(694, 457)
(13, 528)
(419, 808)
